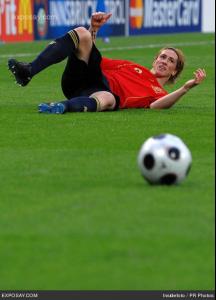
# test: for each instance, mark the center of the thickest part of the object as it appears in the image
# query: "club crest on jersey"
(138, 70)
(157, 89)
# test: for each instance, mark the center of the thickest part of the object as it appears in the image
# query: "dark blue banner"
(55, 17)
(164, 16)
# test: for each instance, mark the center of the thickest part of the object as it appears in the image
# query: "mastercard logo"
(136, 13)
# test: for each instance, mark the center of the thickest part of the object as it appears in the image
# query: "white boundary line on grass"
(200, 43)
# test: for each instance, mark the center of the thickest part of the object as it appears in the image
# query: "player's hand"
(98, 19)
(199, 76)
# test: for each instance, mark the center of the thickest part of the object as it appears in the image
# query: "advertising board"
(164, 16)
(16, 20)
(64, 15)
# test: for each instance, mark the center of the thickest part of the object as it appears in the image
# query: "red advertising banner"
(16, 20)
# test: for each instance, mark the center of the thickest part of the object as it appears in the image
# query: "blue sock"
(55, 52)
(81, 104)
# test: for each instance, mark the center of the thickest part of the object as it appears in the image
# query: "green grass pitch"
(75, 212)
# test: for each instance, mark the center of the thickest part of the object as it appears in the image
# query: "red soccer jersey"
(136, 86)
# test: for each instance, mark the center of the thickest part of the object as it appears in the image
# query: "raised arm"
(172, 98)
(98, 19)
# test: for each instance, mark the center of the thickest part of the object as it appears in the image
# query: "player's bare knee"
(105, 99)
(84, 34)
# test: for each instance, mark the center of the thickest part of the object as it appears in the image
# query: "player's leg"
(76, 104)
(77, 40)
(98, 101)
(55, 52)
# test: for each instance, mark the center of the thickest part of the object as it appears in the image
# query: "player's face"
(165, 64)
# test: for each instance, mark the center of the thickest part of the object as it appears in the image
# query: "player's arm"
(98, 19)
(169, 100)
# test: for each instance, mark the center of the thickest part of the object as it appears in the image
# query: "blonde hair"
(179, 65)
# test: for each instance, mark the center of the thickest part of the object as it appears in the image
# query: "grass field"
(75, 212)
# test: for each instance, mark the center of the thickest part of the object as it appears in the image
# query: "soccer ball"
(164, 159)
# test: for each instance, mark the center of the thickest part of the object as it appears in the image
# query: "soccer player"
(93, 83)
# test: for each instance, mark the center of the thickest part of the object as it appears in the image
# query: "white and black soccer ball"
(164, 159)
